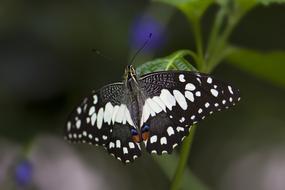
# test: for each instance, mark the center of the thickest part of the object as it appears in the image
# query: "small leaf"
(266, 65)
(193, 9)
(175, 61)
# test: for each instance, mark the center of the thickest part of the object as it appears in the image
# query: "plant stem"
(186, 147)
(199, 42)
(215, 32)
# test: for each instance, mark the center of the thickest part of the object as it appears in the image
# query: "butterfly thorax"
(135, 99)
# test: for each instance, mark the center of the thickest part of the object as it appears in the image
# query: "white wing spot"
(153, 105)
(153, 152)
(190, 86)
(230, 89)
(231, 99)
(79, 110)
(193, 117)
(100, 118)
(131, 145)
(189, 95)
(68, 126)
(118, 143)
(90, 136)
(216, 104)
(200, 110)
(163, 140)
(153, 139)
(182, 119)
(108, 112)
(104, 137)
(87, 120)
(159, 102)
(179, 129)
(199, 80)
(214, 92)
(198, 93)
(78, 124)
(181, 78)
(84, 133)
(121, 113)
(170, 131)
(95, 97)
(209, 80)
(93, 119)
(180, 99)
(91, 110)
(175, 145)
(125, 150)
(224, 101)
(207, 104)
(167, 98)
(115, 111)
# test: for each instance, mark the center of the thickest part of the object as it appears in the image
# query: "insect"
(155, 110)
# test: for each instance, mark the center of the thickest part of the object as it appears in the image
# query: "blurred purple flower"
(140, 30)
(23, 173)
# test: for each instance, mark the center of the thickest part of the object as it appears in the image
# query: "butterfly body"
(158, 109)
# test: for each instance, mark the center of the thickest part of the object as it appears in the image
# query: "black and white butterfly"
(157, 109)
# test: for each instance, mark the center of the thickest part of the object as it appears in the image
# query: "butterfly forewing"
(104, 119)
(178, 99)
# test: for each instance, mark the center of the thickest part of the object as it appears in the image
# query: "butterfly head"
(130, 72)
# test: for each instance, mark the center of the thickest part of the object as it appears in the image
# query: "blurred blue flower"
(23, 173)
(140, 30)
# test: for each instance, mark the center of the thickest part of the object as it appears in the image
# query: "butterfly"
(155, 110)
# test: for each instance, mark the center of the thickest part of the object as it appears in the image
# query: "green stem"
(199, 43)
(215, 31)
(185, 151)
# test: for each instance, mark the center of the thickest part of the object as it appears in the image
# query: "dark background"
(47, 66)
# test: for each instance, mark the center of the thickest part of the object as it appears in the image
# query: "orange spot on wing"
(136, 138)
(145, 136)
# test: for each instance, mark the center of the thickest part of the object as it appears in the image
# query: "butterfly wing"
(104, 119)
(178, 99)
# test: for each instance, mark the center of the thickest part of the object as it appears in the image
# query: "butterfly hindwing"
(178, 99)
(104, 119)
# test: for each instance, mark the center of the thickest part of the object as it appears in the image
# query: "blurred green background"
(47, 66)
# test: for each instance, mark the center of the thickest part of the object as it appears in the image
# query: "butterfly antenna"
(97, 52)
(141, 48)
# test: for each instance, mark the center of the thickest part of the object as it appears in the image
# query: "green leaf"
(175, 61)
(168, 165)
(193, 9)
(266, 65)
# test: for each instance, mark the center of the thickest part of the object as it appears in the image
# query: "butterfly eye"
(145, 128)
